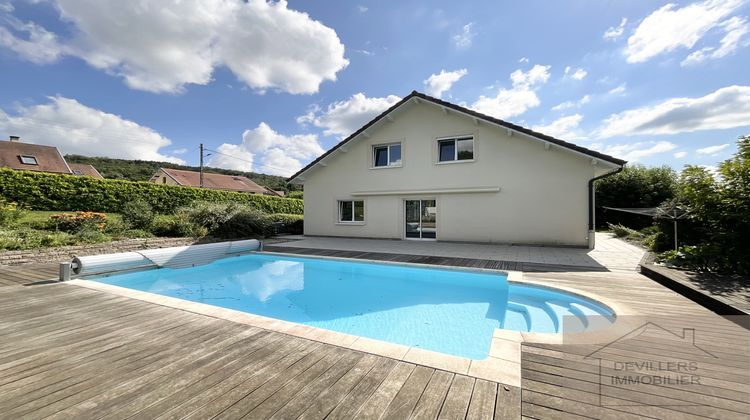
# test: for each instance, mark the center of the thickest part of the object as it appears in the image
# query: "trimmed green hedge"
(45, 191)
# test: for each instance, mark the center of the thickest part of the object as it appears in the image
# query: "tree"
(635, 186)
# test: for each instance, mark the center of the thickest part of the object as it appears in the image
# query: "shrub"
(621, 231)
(79, 222)
(288, 223)
(176, 226)
(296, 194)
(228, 220)
(45, 191)
(10, 213)
(137, 214)
(24, 238)
(89, 236)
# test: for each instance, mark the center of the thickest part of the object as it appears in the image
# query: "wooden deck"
(71, 352)
(723, 294)
(27, 274)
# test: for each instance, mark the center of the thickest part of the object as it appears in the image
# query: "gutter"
(591, 194)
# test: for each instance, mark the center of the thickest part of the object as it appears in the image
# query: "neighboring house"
(429, 169)
(210, 180)
(36, 157)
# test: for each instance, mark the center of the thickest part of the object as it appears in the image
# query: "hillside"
(142, 170)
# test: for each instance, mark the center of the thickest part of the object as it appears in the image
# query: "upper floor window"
(28, 160)
(77, 172)
(461, 148)
(386, 155)
(351, 211)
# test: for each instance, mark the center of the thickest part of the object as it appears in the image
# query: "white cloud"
(680, 155)
(464, 38)
(727, 107)
(635, 151)
(362, 9)
(520, 97)
(735, 28)
(670, 28)
(712, 150)
(342, 118)
(577, 74)
(265, 150)
(180, 151)
(572, 104)
(38, 45)
(78, 129)
(619, 90)
(614, 32)
(523, 60)
(562, 128)
(439, 83)
(162, 48)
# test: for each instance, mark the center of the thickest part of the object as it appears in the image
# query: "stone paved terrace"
(610, 253)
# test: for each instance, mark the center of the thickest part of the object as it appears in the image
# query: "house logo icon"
(648, 356)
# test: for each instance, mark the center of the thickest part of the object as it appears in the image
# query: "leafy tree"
(635, 186)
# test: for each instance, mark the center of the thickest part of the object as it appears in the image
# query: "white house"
(427, 169)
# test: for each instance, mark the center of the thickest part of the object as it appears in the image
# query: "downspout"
(592, 228)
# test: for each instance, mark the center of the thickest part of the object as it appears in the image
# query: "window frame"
(22, 157)
(455, 140)
(353, 221)
(373, 159)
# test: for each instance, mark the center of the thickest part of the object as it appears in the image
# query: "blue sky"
(272, 85)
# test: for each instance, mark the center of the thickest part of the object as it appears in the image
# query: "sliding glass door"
(421, 219)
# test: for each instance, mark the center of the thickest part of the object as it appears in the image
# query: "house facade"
(18, 155)
(214, 181)
(427, 169)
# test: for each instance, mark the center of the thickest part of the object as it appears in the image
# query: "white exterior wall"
(542, 198)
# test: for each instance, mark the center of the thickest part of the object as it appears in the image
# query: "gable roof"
(471, 113)
(48, 158)
(85, 170)
(215, 181)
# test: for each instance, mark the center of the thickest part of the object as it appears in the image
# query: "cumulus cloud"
(712, 150)
(563, 127)
(614, 32)
(727, 107)
(680, 155)
(163, 47)
(464, 38)
(635, 151)
(519, 98)
(264, 150)
(342, 118)
(576, 74)
(78, 129)
(670, 28)
(735, 29)
(572, 104)
(439, 83)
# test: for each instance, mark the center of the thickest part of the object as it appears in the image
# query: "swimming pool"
(448, 311)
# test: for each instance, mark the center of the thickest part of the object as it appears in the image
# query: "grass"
(38, 216)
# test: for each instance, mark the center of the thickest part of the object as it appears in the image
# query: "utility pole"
(201, 176)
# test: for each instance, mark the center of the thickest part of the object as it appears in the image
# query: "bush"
(45, 191)
(296, 194)
(79, 222)
(288, 223)
(137, 214)
(24, 238)
(696, 257)
(621, 231)
(176, 226)
(10, 213)
(228, 220)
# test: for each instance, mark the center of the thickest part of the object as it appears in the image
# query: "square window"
(351, 211)
(461, 148)
(77, 172)
(28, 160)
(386, 155)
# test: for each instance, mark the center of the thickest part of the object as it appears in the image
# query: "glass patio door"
(421, 219)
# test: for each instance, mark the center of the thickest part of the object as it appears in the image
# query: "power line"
(245, 160)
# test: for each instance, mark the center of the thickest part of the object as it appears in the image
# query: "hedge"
(45, 191)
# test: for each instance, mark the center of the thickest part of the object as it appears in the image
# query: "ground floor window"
(351, 211)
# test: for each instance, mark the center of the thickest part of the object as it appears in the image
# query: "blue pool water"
(448, 311)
